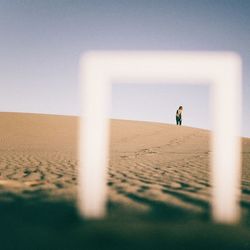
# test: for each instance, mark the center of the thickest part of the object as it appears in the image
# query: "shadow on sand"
(39, 224)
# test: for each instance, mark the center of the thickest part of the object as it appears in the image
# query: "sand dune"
(148, 161)
(153, 167)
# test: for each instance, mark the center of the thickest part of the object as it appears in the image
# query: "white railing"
(222, 70)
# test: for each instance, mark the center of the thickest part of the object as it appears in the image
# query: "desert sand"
(158, 179)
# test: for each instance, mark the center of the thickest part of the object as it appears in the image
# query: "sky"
(41, 43)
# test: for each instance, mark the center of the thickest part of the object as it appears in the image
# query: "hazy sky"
(41, 43)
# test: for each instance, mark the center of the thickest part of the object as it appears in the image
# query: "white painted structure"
(222, 70)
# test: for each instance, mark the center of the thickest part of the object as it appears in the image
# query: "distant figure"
(179, 115)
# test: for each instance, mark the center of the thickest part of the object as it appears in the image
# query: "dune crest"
(152, 165)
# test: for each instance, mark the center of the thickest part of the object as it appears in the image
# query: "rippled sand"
(155, 169)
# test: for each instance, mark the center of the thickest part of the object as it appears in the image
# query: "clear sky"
(41, 43)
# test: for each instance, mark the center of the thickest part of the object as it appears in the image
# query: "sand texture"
(158, 174)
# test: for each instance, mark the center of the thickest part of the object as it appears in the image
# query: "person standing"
(179, 115)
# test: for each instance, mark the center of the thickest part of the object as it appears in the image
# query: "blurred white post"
(226, 144)
(94, 136)
(221, 70)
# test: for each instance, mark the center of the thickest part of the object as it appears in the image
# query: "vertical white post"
(94, 146)
(226, 162)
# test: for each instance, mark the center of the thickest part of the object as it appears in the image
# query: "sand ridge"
(152, 165)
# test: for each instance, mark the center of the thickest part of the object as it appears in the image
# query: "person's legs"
(180, 121)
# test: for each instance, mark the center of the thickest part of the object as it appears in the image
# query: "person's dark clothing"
(178, 117)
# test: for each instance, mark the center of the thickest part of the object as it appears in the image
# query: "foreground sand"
(158, 187)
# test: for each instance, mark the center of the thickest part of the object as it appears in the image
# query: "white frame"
(99, 69)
